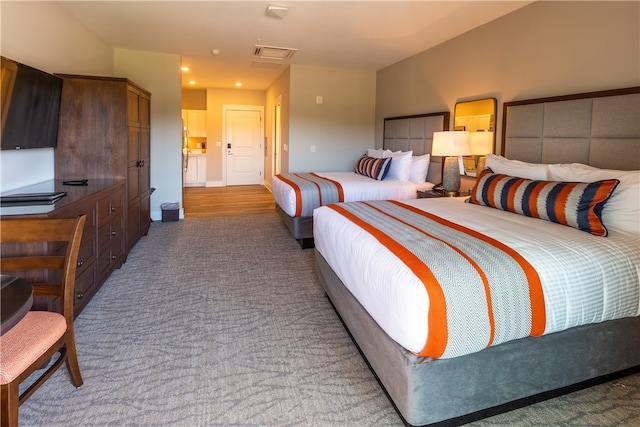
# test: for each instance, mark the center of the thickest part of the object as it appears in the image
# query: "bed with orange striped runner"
(312, 191)
(481, 292)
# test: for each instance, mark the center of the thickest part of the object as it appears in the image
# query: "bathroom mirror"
(479, 118)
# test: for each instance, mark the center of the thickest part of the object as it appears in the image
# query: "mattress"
(355, 188)
(584, 278)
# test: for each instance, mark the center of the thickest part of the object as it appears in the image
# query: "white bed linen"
(585, 278)
(356, 188)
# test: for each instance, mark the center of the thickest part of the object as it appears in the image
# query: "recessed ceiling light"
(185, 68)
(238, 84)
(192, 82)
(215, 52)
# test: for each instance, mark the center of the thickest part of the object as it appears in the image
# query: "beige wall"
(544, 49)
(341, 128)
(216, 98)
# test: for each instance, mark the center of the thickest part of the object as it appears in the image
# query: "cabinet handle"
(113, 232)
(79, 295)
(112, 208)
(113, 257)
(80, 262)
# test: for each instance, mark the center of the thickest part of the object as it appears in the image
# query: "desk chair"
(37, 337)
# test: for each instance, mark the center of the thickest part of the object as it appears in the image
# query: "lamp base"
(451, 175)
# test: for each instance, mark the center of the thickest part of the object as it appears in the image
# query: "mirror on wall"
(479, 118)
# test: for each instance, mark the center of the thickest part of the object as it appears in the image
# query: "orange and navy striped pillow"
(373, 167)
(576, 204)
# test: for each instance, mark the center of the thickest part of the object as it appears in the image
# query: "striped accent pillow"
(576, 204)
(372, 167)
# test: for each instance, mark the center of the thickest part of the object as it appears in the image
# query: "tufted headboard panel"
(601, 129)
(415, 133)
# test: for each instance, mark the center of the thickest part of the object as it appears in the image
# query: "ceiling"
(342, 34)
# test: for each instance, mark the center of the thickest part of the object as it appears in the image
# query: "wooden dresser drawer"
(107, 233)
(110, 206)
(87, 253)
(112, 256)
(86, 286)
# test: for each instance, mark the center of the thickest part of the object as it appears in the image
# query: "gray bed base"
(301, 228)
(460, 390)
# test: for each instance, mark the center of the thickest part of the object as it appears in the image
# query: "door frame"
(225, 108)
(276, 166)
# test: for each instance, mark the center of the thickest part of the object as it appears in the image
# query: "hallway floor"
(221, 201)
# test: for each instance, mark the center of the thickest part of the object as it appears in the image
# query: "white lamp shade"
(481, 143)
(451, 143)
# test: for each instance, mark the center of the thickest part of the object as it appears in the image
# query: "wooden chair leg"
(72, 359)
(9, 404)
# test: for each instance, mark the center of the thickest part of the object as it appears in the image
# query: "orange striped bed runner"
(481, 292)
(312, 190)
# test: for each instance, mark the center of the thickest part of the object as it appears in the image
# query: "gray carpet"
(222, 322)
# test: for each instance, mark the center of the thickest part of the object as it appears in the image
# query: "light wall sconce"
(451, 145)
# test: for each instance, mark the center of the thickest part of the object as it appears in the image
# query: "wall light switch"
(313, 148)
(285, 147)
(218, 144)
(319, 100)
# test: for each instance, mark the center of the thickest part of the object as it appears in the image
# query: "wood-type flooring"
(201, 202)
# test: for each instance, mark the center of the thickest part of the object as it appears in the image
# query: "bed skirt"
(514, 374)
(301, 228)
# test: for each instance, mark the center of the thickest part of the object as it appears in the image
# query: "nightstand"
(437, 193)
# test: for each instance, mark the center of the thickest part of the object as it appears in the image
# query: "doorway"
(243, 135)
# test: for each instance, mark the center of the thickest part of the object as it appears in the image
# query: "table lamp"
(451, 145)
(481, 145)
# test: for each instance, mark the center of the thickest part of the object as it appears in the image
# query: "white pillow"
(419, 168)
(400, 168)
(379, 153)
(502, 165)
(622, 210)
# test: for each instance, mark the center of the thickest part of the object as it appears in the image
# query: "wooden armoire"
(104, 133)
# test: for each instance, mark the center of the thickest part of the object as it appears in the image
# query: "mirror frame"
(475, 115)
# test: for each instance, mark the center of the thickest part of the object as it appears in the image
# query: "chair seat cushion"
(29, 339)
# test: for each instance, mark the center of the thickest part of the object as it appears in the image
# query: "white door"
(243, 144)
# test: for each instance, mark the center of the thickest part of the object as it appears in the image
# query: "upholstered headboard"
(601, 129)
(415, 133)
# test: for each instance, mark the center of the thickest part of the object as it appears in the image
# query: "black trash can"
(170, 211)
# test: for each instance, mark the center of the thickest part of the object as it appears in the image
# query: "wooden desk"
(16, 300)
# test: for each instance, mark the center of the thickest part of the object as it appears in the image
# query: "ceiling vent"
(273, 53)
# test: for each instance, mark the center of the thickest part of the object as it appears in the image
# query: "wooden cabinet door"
(133, 165)
(144, 155)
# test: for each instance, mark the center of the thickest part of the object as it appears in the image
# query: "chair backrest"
(36, 244)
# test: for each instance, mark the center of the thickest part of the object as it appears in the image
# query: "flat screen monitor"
(30, 107)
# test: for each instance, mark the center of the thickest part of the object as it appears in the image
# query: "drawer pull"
(112, 208)
(80, 262)
(113, 257)
(79, 295)
(113, 232)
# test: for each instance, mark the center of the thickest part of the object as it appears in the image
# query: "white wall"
(46, 37)
(341, 128)
(159, 74)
